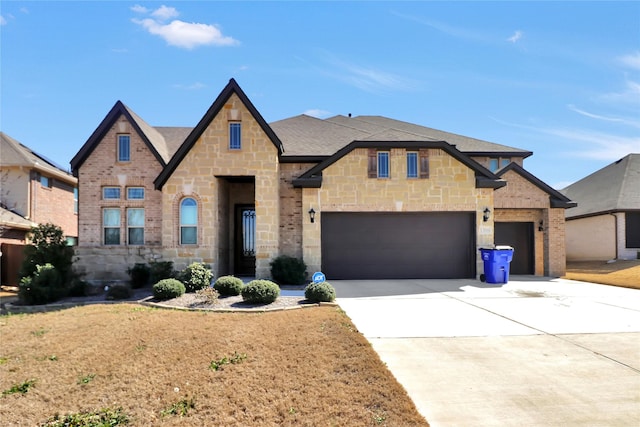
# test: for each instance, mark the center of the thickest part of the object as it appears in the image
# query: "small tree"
(48, 246)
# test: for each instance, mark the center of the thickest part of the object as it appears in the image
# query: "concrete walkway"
(533, 352)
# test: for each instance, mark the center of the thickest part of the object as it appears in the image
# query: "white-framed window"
(383, 164)
(135, 226)
(75, 200)
(135, 193)
(235, 136)
(412, 164)
(111, 226)
(110, 193)
(188, 221)
(124, 148)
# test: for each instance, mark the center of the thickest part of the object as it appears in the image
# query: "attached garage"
(392, 245)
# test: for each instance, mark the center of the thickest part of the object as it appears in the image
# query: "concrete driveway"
(533, 352)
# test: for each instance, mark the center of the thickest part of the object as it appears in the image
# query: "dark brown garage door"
(398, 245)
(520, 236)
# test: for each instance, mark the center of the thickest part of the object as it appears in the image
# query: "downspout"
(615, 231)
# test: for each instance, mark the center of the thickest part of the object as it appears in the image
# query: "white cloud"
(632, 60)
(139, 9)
(2, 20)
(24, 10)
(629, 95)
(187, 35)
(515, 37)
(598, 145)
(163, 13)
(317, 113)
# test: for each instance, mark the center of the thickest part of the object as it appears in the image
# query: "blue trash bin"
(496, 264)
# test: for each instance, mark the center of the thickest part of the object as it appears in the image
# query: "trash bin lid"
(504, 248)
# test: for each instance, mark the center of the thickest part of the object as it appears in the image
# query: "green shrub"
(196, 276)
(102, 418)
(44, 286)
(260, 292)
(161, 270)
(78, 287)
(320, 292)
(167, 289)
(228, 285)
(118, 291)
(287, 270)
(140, 274)
(48, 246)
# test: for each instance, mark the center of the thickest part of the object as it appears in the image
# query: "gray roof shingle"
(615, 187)
(13, 153)
(305, 135)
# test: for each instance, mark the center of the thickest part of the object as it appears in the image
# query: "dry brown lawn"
(307, 367)
(619, 273)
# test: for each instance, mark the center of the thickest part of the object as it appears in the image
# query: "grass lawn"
(619, 273)
(307, 367)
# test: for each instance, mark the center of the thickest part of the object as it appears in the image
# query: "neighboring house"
(33, 190)
(606, 223)
(355, 197)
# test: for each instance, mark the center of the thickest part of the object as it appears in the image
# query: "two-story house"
(355, 197)
(33, 190)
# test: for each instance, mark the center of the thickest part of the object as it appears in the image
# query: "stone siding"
(346, 187)
(195, 176)
(291, 213)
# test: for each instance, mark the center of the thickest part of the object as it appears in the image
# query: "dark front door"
(372, 245)
(519, 235)
(245, 240)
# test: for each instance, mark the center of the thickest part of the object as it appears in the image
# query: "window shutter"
(373, 163)
(424, 163)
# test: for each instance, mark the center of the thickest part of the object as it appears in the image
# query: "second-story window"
(235, 136)
(383, 164)
(110, 193)
(412, 164)
(135, 193)
(124, 148)
(75, 200)
(45, 181)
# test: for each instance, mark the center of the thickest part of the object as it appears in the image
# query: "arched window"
(188, 222)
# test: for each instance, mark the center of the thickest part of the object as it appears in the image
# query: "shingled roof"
(16, 154)
(614, 188)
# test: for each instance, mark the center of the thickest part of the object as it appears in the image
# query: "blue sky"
(561, 79)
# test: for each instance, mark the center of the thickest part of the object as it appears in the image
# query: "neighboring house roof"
(231, 88)
(13, 220)
(615, 187)
(16, 154)
(556, 198)
(150, 135)
(484, 178)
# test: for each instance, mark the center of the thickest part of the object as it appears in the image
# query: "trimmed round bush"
(228, 285)
(260, 292)
(196, 276)
(167, 289)
(287, 270)
(320, 292)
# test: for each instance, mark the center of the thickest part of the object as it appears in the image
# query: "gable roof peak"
(215, 108)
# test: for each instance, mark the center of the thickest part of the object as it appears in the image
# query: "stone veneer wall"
(346, 188)
(210, 157)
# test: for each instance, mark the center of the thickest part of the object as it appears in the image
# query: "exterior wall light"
(485, 214)
(541, 225)
(312, 215)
